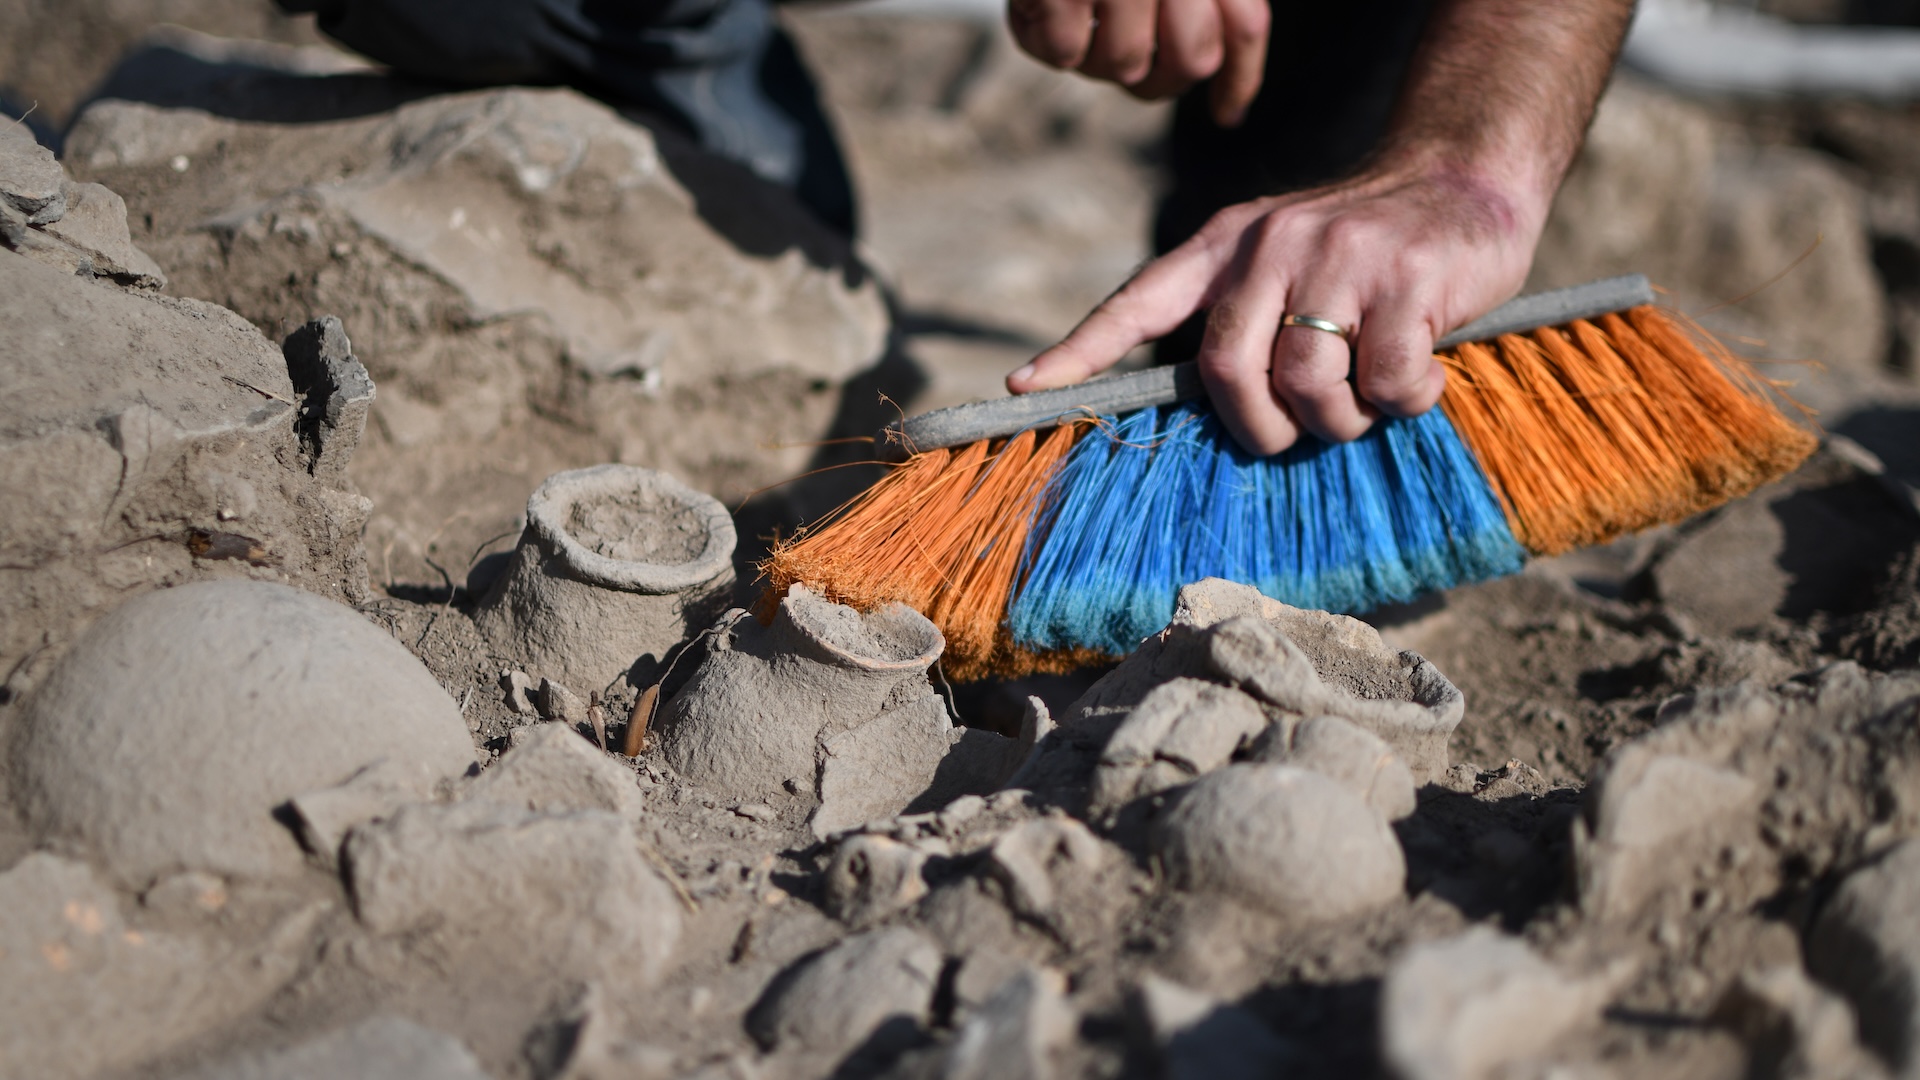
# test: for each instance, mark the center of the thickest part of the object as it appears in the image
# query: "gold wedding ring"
(1314, 322)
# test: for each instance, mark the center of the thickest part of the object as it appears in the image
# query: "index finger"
(1243, 30)
(1151, 305)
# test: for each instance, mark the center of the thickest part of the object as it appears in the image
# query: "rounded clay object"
(1281, 838)
(617, 563)
(176, 727)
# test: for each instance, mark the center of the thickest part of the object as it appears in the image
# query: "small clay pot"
(758, 709)
(618, 565)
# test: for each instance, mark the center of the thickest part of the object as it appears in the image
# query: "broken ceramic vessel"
(615, 565)
(793, 699)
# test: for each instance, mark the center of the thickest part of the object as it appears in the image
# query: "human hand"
(1153, 48)
(1398, 256)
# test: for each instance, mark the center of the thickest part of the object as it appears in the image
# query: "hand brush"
(1049, 530)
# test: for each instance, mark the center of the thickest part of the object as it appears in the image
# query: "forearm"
(1499, 95)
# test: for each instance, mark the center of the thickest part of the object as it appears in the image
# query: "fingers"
(1190, 49)
(1244, 26)
(1394, 364)
(1235, 359)
(1310, 366)
(1123, 43)
(1055, 32)
(1156, 301)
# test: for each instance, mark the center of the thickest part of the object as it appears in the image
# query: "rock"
(1654, 190)
(1043, 863)
(870, 988)
(571, 892)
(1198, 1038)
(174, 730)
(323, 818)
(1182, 729)
(378, 1048)
(1866, 944)
(1654, 814)
(147, 441)
(96, 223)
(518, 262)
(190, 892)
(1470, 1005)
(1013, 1035)
(617, 566)
(71, 968)
(1794, 1029)
(1357, 758)
(1282, 839)
(31, 181)
(559, 705)
(1316, 662)
(766, 702)
(871, 877)
(336, 394)
(518, 691)
(550, 769)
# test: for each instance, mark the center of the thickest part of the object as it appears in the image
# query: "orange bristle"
(1602, 428)
(942, 534)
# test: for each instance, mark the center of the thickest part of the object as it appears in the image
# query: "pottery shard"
(876, 984)
(1180, 730)
(1463, 1008)
(567, 893)
(1866, 944)
(1280, 838)
(878, 768)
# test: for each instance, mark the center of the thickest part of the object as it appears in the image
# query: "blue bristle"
(1164, 497)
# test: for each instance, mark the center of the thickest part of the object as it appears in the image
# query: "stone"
(559, 705)
(174, 730)
(617, 566)
(71, 968)
(1654, 815)
(873, 986)
(96, 223)
(1282, 839)
(336, 394)
(147, 441)
(871, 877)
(550, 769)
(1352, 755)
(1466, 1007)
(571, 891)
(513, 260)
(1793, 1028)
(1041, 861)
(765, 699)
(1319, 663)
(378, 1048)
(1182, 729)
(323, 818)
(31, 181)
(1014, 1034)
(1199, 1038)
(517, 690)
(1866, 945)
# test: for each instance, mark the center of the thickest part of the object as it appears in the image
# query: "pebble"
(1280, 838)
(874, 985)
(871, 877)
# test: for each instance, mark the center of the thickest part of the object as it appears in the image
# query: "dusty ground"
(1000, 202)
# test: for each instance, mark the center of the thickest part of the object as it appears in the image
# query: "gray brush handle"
(963, 424)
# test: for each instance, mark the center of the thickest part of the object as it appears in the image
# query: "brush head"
(1068, 541)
